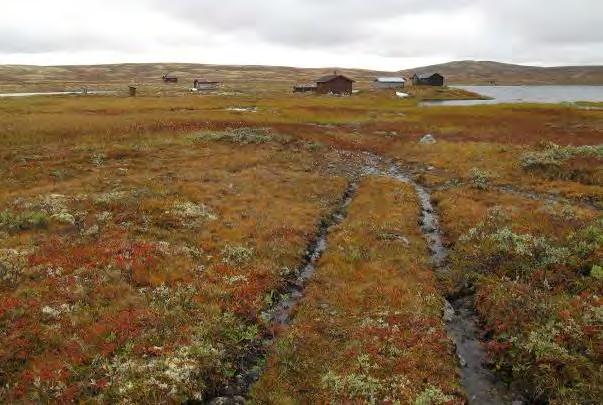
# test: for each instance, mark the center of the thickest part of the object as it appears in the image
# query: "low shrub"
(13, 222)
(190, 210)
(12, 263)
(479, 179)
(244, 136)
(538, 296)
(492, 247)
(582, 163)
(236, 255)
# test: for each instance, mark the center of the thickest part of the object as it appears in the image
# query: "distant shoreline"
(24, 78)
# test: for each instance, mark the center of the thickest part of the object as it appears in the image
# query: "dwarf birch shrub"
(244, 136)
(555, 155)
(479, 179)
(237, 255)
(12, 222)
(581, 163)
(362, 385)
(492, 247)
(538, 295)
(12, 263)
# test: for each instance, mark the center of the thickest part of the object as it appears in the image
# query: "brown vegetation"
(141, 239)
(369, 328)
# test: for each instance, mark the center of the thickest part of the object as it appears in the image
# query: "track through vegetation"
(144, 243)
(280, 313)
(480, 384)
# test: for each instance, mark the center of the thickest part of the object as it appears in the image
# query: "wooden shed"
(168, 78)
(334, 84)
(389, 83)
(433, 79)
(205, 85)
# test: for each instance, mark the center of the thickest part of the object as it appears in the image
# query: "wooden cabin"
(206, 85)
(334, 84)
(168, 78)
(389, 83)
(434, 79)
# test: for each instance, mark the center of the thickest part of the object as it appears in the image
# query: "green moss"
(12, 222)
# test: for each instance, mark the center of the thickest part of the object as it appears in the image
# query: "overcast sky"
(378, 34)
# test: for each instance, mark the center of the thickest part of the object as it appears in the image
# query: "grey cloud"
(560, 21)
(511, 26)
(27, 42)
(301, 22)
(546, 31)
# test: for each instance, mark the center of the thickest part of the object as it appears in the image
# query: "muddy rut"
(281, 313)
(462, 325)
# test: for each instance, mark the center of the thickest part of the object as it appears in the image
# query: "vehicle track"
(462, 325)
(281, 313)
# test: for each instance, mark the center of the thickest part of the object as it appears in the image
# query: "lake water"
(525, 94)
(56, 93)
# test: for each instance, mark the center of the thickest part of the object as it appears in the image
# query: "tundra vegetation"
(370, 327)
(142, 240)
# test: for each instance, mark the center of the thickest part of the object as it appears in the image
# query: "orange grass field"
(370, 326)
(143, 240)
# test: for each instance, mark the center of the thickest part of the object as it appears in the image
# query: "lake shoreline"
(533, 94)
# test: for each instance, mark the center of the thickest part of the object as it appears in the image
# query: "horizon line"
(530, 65)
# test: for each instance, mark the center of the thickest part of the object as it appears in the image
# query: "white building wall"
(388, 85)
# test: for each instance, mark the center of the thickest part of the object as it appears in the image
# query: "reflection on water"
(55, 93)
(525, 94)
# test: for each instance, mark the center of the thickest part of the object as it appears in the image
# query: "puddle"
(242, 109)
(480, 384)
(430, 223)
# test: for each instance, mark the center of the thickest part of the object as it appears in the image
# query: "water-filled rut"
(462, 325)
(281, 312)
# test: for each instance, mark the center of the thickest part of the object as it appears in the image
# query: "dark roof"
(206, 81)
(328, 78)
(426, 75)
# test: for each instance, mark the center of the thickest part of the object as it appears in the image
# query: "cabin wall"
(431, 81)
(335, 86)
(436, 80)
(382, 85)
(303, 89)
(207, 86)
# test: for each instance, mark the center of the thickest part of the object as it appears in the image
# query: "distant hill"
(117, 76)
(484, 72)
(42, 78)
